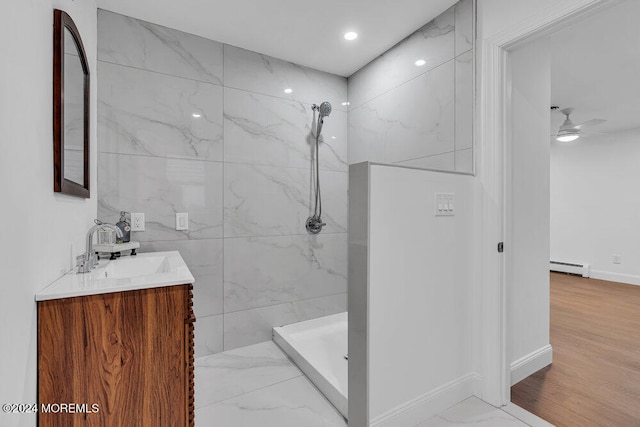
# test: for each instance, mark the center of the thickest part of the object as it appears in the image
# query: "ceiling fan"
(569, 131)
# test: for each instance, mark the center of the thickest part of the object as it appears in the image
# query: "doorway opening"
(586, 188)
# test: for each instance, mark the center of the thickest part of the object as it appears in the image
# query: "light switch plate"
(182, 221)
(445, 205)
(137, 221)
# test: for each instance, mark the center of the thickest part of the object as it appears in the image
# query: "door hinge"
(500, 247)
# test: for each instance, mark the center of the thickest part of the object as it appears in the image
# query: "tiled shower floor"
(259, 386)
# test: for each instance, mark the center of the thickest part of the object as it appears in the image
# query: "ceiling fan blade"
(589, 123)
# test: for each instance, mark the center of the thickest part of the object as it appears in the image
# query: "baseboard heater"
(571, 268)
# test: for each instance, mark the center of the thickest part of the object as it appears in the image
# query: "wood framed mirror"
(70, 109)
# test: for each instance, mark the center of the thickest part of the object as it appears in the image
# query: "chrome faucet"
(88, 260)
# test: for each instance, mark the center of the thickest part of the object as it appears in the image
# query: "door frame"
(494, 164)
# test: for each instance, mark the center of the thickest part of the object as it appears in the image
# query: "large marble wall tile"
(258, 73)
(464, 101)
(464, 160)
(140, 112)
(271, 201)
(248, 327)
(433, 43)
(235, 372)
(266, 130)
(204, 259)
(443, 162)
(261, 271)
(414, 120)
(160, 188)
(464, 26)
(208, 335)
(292, 403)
(365, 143)
(128, 41)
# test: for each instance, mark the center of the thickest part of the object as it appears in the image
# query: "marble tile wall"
(241, 170)
(420, 116)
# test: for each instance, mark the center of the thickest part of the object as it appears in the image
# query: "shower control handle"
(314, 225)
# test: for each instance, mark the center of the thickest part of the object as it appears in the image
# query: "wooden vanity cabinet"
(131, 353)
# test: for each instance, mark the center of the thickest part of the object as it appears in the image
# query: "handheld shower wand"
(314, 222)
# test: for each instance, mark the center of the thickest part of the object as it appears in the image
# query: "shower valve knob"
(314, 225)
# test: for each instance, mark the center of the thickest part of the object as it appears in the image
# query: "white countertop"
(127, 273)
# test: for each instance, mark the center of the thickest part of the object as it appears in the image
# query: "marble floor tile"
(292, 403)
(473, 411)
(225, 375)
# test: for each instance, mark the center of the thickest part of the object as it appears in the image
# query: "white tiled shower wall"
(419, 116)
(241, 170)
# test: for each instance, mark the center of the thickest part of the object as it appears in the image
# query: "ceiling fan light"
(568, 137)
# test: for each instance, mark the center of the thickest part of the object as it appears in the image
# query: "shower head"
(324, 109)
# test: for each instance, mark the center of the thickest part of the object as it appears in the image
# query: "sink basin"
(134, 267)
(143, 271)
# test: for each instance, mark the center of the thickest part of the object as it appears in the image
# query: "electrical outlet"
(182, 221)
(617, 259)
(137, 221)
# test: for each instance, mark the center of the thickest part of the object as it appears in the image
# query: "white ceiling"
(595, 68)
(309, 33)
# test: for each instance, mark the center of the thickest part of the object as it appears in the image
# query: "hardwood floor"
(595, 376)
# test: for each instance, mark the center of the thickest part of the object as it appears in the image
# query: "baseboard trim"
(429, 404)
(615, 277)
(532, 362)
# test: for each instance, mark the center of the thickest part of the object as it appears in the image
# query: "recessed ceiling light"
(420, 62)
(569, 137)
(288, 90)
(333, 137)
(351, 35)
(197, 115)
(345, 103)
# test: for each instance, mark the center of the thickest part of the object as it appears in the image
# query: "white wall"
(42, 232)
(595, 204)
(527, 249)
(419, 325)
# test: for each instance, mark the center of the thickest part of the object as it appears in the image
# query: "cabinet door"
(123, 351)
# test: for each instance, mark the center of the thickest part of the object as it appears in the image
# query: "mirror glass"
(73, 111)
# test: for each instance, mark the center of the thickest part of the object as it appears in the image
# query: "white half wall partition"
(410, 294)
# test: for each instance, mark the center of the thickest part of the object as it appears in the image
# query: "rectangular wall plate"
(182, 221)
(444, 204)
